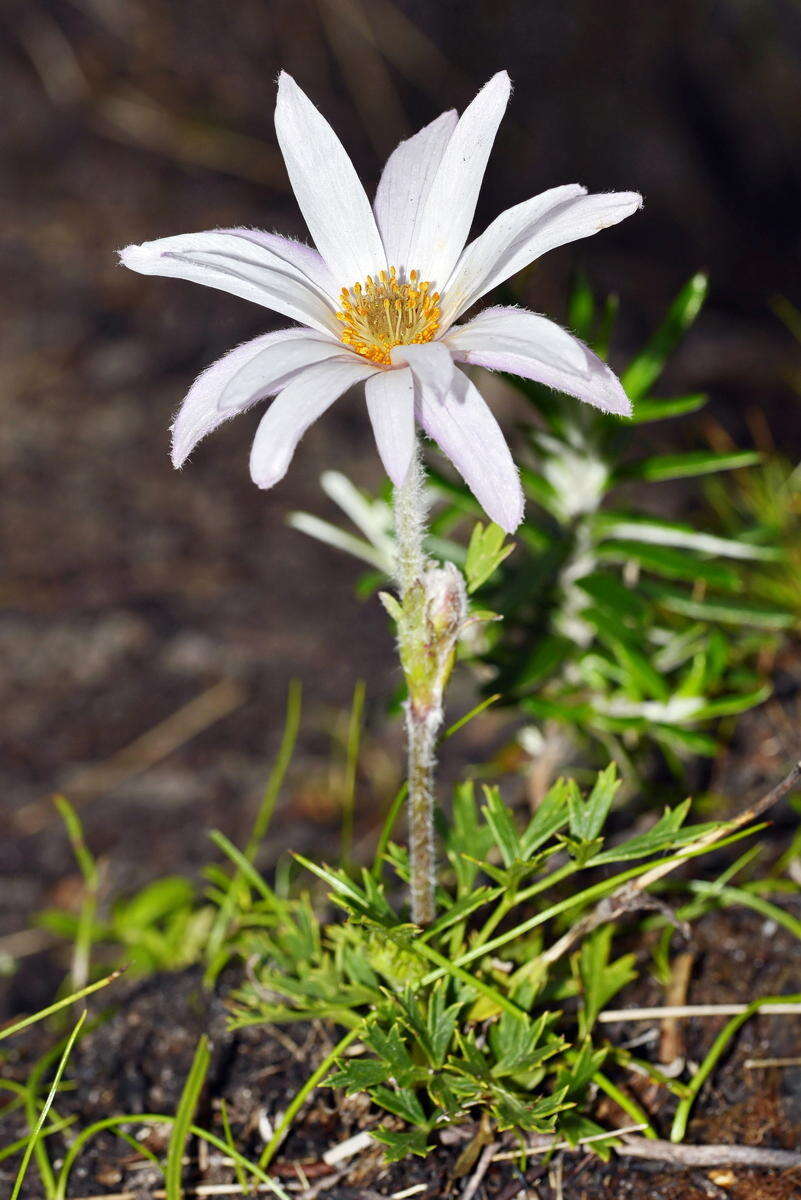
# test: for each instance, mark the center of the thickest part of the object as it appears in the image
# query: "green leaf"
(499, 819)
(672, 564)
(715, 608)
(587, 821)
(360, 1074)
(728, 705)
(485, 553)
(184, 1117)
(659, 410)
(75, 833)
(667, 533)
(646, 368)
(600, 979)
(37, 1131)
(581, 307)
(392, 605)
(683, 466)
(684, 741)
(550, 817)
(519, 1043)
(403, 1103)
(399, 1145)
(606, 590)
(574, 1128)
(549, 654)
(643, 679)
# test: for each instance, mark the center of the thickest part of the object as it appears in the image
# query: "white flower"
(378, 300)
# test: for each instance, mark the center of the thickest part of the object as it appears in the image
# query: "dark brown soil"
(136, 1060)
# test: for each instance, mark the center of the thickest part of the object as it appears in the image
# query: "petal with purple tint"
(200, 413)
(466, 431)
(523, 343)
(327, 188)
(298, 254)
(524, 233)
(294, 409)
(444, 223)
(240, 265)
(269, 371)
(390, 403)
(404, 187)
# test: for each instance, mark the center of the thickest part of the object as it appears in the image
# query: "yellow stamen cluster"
(385, 312)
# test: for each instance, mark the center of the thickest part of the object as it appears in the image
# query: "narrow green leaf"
(499, 819)
(59, 1004)
(715, 608)
(599, 802)
(36, 1132)
(683, 466)
(606, 590)
(400, 1144)
(622, 526)
(646, 368)
(184, 1116)
(646, 410)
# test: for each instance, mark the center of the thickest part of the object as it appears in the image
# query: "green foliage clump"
(492, 1010)
(620, 629)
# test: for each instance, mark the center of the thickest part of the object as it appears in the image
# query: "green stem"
(410, 523)
(422, 720)
(430, 616)
(421, 736)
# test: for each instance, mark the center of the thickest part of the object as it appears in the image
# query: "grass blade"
(706, 1068)
(260, 825)
(36, 1132)
(351, 766)
(300, 1098)
(183, 1118)
(54, 1008)
(387, 827)
(157, 1119)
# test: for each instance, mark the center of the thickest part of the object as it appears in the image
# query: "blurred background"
(151, 621)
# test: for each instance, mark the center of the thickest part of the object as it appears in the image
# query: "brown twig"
(671, 1042)
(483, 1165)
(631, 896)
(709, 1156)
(684, 1155)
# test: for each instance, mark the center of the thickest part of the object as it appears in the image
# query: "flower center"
(386, 312)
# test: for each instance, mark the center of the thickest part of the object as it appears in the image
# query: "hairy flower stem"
(431, 612)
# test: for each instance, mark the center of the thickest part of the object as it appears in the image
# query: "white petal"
(327, 188)
(269, 371)
(526, 232)
(431, 364)
(390, 403)
(465, 429)
(442, 229)
(514, 340)
(306, 258)
(301, 402)
(405, 184)
(200, 414)
(233, 261)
